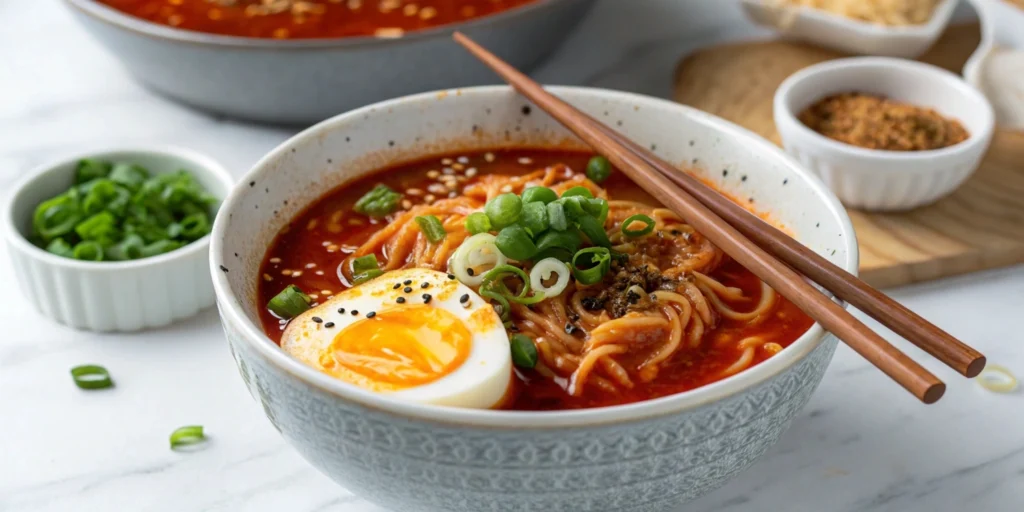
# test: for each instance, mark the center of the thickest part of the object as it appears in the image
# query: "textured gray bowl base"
(296, 85)
(632, 466)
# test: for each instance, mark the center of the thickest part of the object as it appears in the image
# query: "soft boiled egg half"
(415, 334)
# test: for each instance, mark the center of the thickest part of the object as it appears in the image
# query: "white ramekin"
(848, 35)
(876, 179)
(112, 296)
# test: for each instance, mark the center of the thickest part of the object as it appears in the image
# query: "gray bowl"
(304, 81)
(648, 456)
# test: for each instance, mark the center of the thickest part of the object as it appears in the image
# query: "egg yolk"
(399, 348)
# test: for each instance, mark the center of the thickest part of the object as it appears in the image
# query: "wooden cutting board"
(979, 226)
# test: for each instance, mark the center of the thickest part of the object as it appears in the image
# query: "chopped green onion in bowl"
(119, 211)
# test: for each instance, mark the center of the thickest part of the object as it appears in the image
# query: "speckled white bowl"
(647, 456)
(112, 295)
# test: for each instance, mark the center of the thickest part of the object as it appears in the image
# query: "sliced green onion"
(478, 222)
(997, 378)
(195, 226)
(524, 351)
(596, 207)
(60, 247)
(591, 264)
(647, 229)
(378, 202)
(91, 376)
(538, 195)
(594, 230)
(573, 207)
(534, 218)
(184, 436)
(494, 281)
(56, 217)
(365, 268)
(89, 170)
(556, 217)
(100, 227)
(503, 210)
(569, 240)
(578, 192)
(88, 250)
(599, 169)
(160, 247)
(131, 176)
(479, 249)
(128, 249)
(100, 193)
(506, 309)
(515, 242)
(431, 227)
(542, 271)
(290, 303)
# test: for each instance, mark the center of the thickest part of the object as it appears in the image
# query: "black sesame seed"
(692, 142)
(513, 329)
(526, 110)
(425, 285)
(408, 289)
(341, 311)
(391, 143)
(426, 298)
(318, 320)
(355, 312)
(407, 282)
(676, 232)
(329, 325)
(451, 276)
(400, 300)
(464, 299)
(371, 314)
(570, 328)
(396, 286)
(252, 183)
(223, 268)
(743, 178)
(470, 271)
(785, 181)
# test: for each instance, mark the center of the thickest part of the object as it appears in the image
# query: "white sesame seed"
(488, 156)
(436, 188)
(463, 159)
(325, 243)
(406, 204)
(415, 192)
(296, 273)
(429, 198)
(326, 293)
(452, 194)
(310, 265)
(446, 161)
(275, 260)
(451, 185)
(314, 297)
(433, 174)
(458, 167)
(286, 272)
(525, 160)
(448, 171)
(506, 189)
(471, 172)
(268, 277)
(332, 248)
(319, 272)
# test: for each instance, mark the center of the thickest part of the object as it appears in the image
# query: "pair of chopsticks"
(766, 251)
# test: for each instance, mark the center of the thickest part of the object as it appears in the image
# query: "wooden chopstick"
(926, 335)
(905, 371)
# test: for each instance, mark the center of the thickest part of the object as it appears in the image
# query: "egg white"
(481, 381)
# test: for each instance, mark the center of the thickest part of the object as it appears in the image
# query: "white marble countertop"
(861, 444)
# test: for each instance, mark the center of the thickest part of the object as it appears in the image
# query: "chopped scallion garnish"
(290, 303)
(524, 351)
(599, 169)
(184, 436)
(378, 202)
(647, 229)
(91, 376)
(431, 226)
(591, 264)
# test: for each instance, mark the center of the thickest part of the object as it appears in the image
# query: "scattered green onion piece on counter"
(478, 222)
(524, 351)
(503, 210)
(599, 169)
(515, 243)
(431, 226)
(578, 192)
(88, 250)
(534, 218)
(594, 231)
(61, 248)
(591, 264)
(365, 268)
(89, 169)
(998, 379)
(378, 202)
(556, 217)
(647, 229)
(91, 376)
(538, 195)
(185, 436)
(289, 303)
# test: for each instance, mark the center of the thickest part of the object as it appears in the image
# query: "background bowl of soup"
(306, 80)
(650, 455)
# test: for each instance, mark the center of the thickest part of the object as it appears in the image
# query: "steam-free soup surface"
(307, 253)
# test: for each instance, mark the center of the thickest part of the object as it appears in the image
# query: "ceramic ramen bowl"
(648, 456)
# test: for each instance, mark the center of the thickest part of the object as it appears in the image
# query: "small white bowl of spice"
(893, 28)
(882, 133)
(116, 240)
